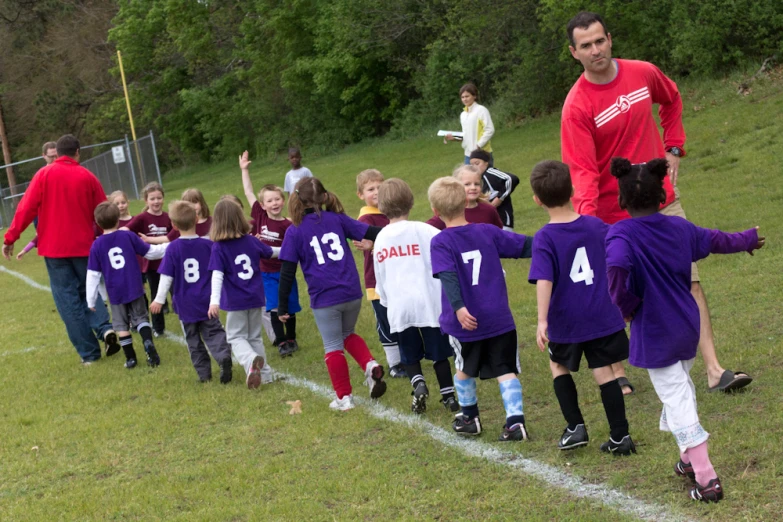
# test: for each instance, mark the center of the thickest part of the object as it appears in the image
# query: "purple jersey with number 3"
(187, 262)
(239, 260)
(114, 256)
(473, 251)
(573, 257)
(319, 245)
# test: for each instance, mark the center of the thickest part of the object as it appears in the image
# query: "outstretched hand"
(244, 162)
(761, 243)
(365, 245)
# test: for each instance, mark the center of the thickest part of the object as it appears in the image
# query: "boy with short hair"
(475, 312)
(402, 262)
(575, 312)
(185, 268)
(297, 171)
(113, 255)
(367, 183)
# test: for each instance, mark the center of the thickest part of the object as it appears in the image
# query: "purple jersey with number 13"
(319, 245)
(114, 255)
(187, 262)
(473, 251)
(573, 257)
(239, 259)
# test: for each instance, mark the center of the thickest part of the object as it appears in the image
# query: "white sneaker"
(344, 404)
(253, 380)
(374, 379)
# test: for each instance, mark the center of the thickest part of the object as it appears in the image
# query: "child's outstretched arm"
(156, 252)
(247, 184)
(154, 240)
(156, 306)
(729, 243)
(31, 245)
(450, 283)
(543, 298)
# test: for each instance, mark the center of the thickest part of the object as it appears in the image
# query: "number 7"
(475, 256)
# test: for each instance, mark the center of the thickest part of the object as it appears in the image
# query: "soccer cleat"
(466, 427)
(153, 359)
(344, 404)
(226, 370)
(419, 401)
(157, 334)
(515, 432)
(253, 380)
(112, 344)
(398, 372)
(450, 403)
(130, 363)
(285, 349)
(712, 492)
(573, 439)
(374, 379)
(624, 447)
(684, 470)
(294, 345)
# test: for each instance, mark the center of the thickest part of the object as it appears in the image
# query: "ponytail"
(295, 208)
(332, 204)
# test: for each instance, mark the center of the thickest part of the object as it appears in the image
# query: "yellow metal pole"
(130, 117)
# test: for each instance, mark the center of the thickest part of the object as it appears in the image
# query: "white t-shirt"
(292, 177)
(403, 273)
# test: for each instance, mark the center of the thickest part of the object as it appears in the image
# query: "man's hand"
(496, 202)
(467, 321)
(214, 311)
(8, 251)
(541, 337)
(156, 308)
(761, 243)
(674, 167)
(244, 162)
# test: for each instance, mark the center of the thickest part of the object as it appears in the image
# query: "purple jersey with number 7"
(319, 245)
(239, 259)
(473, 251)
(573, 257)
(187, 262)
(114, 255)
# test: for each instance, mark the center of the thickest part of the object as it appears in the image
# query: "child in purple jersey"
(477, 210)
(575, 313)
(238, 289)
(184, 268)
(317, 241)
(466, 259)
(113, 255)
(269, 226)
(649, 261)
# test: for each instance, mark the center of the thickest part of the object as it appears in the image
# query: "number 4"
(580, 268)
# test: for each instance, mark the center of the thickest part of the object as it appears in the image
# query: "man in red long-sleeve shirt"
(64, 196)
(607, 114)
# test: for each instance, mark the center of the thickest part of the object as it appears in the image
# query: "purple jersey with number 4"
(187, 262)
(319, 245)
(473, 251)
(239, 259)
(114, 256)
(573, 257)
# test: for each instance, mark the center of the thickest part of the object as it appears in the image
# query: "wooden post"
(7, 154)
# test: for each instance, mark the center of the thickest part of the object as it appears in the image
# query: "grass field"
(106, 443)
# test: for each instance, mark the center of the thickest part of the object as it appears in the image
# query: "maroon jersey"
(481, 213)
(153, 226)
(373, 217)
(271, 232)
(202, 230)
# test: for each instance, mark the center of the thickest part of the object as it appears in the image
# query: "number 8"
(191, 270)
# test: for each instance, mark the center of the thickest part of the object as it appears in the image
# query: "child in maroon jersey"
(477, 210)
(203, 225)
(119, 198)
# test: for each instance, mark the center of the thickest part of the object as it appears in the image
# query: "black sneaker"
(451, 404)
(294, 345)
(285, 349)
(112, 344)
(515, 432)
(573, 439)
(712, 492)
(419, 401)
(226, 370)
(153, 359)
(684, 470)
(624, 447)
(466, 427)
(398, 372)
(130, 363)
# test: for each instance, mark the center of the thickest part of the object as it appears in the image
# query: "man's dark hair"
(641, 185)
(68, 145)
(551, 183)
(584, 20)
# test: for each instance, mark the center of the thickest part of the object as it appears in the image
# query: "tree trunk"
(7, 154)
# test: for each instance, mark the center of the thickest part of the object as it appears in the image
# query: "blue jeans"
(68, 279)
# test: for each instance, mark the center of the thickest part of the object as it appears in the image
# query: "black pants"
(158, 320)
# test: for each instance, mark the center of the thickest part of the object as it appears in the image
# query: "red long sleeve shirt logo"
(621, 106)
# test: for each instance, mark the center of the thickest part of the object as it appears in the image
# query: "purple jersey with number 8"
(187, 262)
(239, 260)
(319, 245)
(473, 251)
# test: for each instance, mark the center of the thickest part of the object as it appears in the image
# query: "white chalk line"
(14, 352)
(552, 476)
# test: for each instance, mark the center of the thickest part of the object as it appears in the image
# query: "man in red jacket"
(607, 114)
(64, 196)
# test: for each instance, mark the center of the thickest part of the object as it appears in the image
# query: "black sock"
(127, 347)
(565, 390)
(414, 372)
(445, 380)
(146, 335)
(614, 406)
(277, 326)
(470, 412)
(290, 328)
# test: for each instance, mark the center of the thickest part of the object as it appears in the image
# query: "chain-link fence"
(119, 165)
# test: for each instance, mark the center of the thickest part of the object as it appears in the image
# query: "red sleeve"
(578, 150)
(436, 222)
(665, 93)
(26, 210)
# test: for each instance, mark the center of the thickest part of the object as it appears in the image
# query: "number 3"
(580, 268)
(247, 269)
(475, 256)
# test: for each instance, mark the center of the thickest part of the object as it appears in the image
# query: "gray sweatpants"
(243, 331)
(203, 335)
(337, 322)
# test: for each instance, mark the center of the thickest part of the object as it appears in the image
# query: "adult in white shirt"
(477, 127)
(297, 171)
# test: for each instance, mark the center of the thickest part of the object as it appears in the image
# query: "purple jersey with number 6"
(573, 257)
(319, 245)
(187, 262)
(239, 259)
(114, 256)
(473, 251)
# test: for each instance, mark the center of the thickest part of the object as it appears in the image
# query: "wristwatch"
(674, 151)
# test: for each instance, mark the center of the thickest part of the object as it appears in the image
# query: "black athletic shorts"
(599, 352)
(487, 358)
